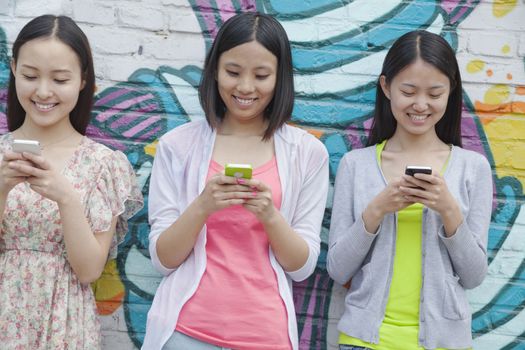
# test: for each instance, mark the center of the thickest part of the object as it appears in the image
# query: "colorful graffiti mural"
(338, 47)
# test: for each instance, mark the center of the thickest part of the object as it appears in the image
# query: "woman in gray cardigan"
(411, 244)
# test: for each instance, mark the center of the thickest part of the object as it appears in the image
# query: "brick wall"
(148, 55)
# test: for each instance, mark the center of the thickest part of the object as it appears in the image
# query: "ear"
(384, 86)
(13, 67)
(83, 83)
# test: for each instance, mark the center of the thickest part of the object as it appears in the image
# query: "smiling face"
(246, 77)
(418, 97)
(48, 81)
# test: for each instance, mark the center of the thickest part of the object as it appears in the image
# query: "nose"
(43, 91)
(420, 104)
(245, 85)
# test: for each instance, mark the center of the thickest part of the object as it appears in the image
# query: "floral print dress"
(42, 303)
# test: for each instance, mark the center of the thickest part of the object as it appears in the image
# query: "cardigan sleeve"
(349, 242)
(308, 217)
(467, 248)
(163, 206)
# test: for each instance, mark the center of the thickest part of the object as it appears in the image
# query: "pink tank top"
(237, 304)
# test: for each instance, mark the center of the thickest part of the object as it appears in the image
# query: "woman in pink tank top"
(230, 246)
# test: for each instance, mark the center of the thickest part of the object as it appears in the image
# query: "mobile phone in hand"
(238, 170)
(29, 146)
(414, 169)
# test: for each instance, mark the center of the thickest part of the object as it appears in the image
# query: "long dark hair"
(238, 30)
(434, 50)
(66, 30)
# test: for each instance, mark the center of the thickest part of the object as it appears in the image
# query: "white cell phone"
(29, 146)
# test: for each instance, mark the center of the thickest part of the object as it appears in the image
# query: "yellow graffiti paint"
(475, 66)
(505, 135)
(505, 49)
(108, 289)
(501, 8)
(151, 148)
(497, 94)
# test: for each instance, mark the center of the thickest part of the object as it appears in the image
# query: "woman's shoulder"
(360, 154)
(99, 154)
(186, 133)
(298, 136)
(470, 157)
(96, 149)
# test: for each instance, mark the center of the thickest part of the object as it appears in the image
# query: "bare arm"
(86, 252)
(289, 248)
(177, 241)
(9, 177)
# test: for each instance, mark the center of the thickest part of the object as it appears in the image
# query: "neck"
(254, 127)
(47, 136)
(406, 142)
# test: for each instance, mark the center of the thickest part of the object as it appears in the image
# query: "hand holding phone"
(30, 146)
(415, 169)
(238, 170)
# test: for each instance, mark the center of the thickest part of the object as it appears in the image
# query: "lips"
(418, 117)
(244, 101)
(44, 106)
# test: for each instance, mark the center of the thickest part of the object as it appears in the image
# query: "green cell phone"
(238, 170)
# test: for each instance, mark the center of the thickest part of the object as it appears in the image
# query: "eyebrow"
(54, 70)
(431, 88)
(235, 65)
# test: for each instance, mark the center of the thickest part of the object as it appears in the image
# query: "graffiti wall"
(149, 54)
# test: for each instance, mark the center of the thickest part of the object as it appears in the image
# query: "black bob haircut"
(434, 50)
(66, 31)
(238, 30)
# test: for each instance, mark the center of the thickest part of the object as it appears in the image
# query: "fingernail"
(240, 181)
(254, 194)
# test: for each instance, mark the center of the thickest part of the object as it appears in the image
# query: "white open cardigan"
(178, 176)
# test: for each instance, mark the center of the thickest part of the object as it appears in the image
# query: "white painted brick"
(521, 50)
(175, 2)
(119, 68)
(175, 46)
(482, 18)
(93, 12)
(492, 44)
(11, 29)
(114, 340)
(106, 40)
(183, 19)
(140, 16)
(115, 321)
(31, 8)
(5, 7)
(499, 66)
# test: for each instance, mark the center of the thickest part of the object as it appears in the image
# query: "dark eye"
(61, 81)
(232, 73)
(406, 93)
(435, 96)
(29, 77)
(262, 76)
